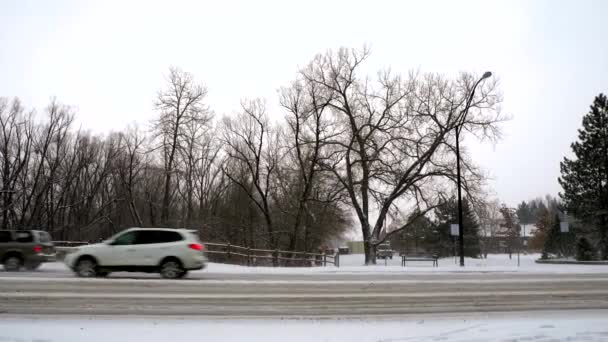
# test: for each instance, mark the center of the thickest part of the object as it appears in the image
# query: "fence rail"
(228, 253)
(69, 243)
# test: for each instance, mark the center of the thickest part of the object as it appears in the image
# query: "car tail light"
(37, 249)
(196, 246)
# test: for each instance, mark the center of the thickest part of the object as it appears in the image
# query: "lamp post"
(465, 111)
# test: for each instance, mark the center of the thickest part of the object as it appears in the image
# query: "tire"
(12, 263)
(86, 268)
(32, 266)
(172, 269)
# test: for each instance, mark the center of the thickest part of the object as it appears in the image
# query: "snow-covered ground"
(539, 327)
(354, 263)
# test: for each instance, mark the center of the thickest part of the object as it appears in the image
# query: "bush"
(584, 250)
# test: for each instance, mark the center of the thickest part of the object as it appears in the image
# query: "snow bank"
(566, 326)
(354, 263)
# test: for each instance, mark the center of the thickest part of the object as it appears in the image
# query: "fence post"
(228, 252)
(337, 259)
(248, 256)
(275, 258)
(324, 259)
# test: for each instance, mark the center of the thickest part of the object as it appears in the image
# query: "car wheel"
(32, 266)
(86, 268)
(12, 263)
(171, 269)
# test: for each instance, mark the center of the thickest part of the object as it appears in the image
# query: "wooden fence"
(231, 254)
(69, 243)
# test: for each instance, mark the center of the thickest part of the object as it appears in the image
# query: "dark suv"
(25, 248)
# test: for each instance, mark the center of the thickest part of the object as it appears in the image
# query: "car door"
(148, 244)
(154, 245)
(122, 251)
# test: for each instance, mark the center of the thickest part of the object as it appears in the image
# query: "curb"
(571, 262)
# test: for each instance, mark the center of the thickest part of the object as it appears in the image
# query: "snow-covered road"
(512, 327)
(318, 295)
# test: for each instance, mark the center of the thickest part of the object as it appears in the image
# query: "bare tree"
(308, 131)
(181, 105)
(16, 131)
(130, 166)
(490, 219)
(247, 139)
(394, 154)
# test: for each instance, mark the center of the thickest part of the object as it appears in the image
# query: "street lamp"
(465, 111)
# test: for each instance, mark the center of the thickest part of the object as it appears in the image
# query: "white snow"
(354, 263)
(537, 326)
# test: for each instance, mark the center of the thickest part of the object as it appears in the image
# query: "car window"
(24, 237)
(166, 236)
(44, 237)
(5, 236)
(125, 239)
(157, 236)
(146, 237)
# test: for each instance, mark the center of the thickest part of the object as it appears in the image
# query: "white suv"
(171, 252)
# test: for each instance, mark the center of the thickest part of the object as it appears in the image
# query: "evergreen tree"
(533, 210)
(556, 242)
(446, 215)
(511, 228)
(585, 178)
(420, 237)
(584, 250)
(543, 225)
(524, 213)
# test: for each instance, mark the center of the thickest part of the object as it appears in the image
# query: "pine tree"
(420, 237)
(584, 179)
(543, 226)
(558, 242)
(524, 213)
(584, 250)
(511, 228)
(446, 215)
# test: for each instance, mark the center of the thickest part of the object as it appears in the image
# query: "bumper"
(39, 258)
(68, 260)
(384, 255)
(198, 262)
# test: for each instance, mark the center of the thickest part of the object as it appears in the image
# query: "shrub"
(584, 250)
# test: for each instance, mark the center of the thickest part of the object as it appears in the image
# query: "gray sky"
(108, 58)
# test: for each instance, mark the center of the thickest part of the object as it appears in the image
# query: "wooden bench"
(433, 258)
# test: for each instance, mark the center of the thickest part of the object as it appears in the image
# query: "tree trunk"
(370, 250)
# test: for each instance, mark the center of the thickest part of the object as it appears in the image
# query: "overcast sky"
(108, 59)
